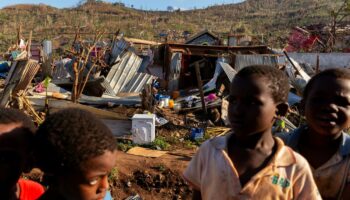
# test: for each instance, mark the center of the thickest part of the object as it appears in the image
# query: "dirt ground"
(152, 178)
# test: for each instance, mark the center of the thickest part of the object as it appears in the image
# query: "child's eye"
(252, 102)
(342, 102)
(94, 181)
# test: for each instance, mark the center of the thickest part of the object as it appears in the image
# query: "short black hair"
(69, 137)
(11, 115)
(335, 73)
(279, 83)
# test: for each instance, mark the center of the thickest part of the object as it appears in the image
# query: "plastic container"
(177, 107)
(171, 103)
(143, 128)
(47, 47)
(197, 134)
(161, 104)
(4, 67)
(166, 99)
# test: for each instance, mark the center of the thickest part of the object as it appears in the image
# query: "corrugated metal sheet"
(118, 47)
(175, 70)
(60, 71)
(109, 89)
(229, 71)
(137, 82)
(242, 61)
(30, 71)
(69, 68)
(20, 76)
(123, 76)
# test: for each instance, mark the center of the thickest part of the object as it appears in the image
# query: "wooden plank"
(139, 41)
(10, 74)
(200, 87)
(56, 104)
(139, 151)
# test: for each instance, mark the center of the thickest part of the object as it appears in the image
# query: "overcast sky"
(140, 4)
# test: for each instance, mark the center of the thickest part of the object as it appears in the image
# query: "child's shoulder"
(218, 143)
(212, 147)
(291, 138)
(288, 157)
(345, 146)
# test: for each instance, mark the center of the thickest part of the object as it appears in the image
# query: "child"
(250, 163)
(322, 141)
(77, 151)
(16, 135)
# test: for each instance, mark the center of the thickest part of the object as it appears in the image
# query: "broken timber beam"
(200, 87)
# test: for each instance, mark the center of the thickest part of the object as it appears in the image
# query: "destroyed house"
(204, 38)
(179, 59)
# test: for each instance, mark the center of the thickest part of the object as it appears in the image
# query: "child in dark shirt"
(16, 137)
(77, 151)
(322, 141)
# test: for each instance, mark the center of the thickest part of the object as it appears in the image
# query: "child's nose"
(331, 107)
(104, 185)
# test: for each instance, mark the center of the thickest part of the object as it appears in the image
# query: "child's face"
(13, 153)
(251, 106)
(327, 106)
(91, 181)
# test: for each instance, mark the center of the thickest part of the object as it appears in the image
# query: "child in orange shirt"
(250, 163)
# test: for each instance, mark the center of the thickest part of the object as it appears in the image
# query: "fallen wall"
(327, 60)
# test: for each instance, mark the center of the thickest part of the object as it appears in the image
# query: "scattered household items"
(143, 128)
(185, 85)
(197, 134)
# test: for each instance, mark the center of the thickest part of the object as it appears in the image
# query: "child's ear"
(282, 109)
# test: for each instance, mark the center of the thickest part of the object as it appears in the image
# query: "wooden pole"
(318, 64)
(29, 44)
(200, 87)
(291, 62)
(19, 32)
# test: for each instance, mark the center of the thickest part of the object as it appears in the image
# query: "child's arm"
(196, 195)
(193, 173)
(304, 186)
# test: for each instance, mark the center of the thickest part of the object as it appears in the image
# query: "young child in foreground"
(250, 163)
(78, 151)
(16, 137)
(322, 141)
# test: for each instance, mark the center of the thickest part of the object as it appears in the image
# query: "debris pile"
(160, 96)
